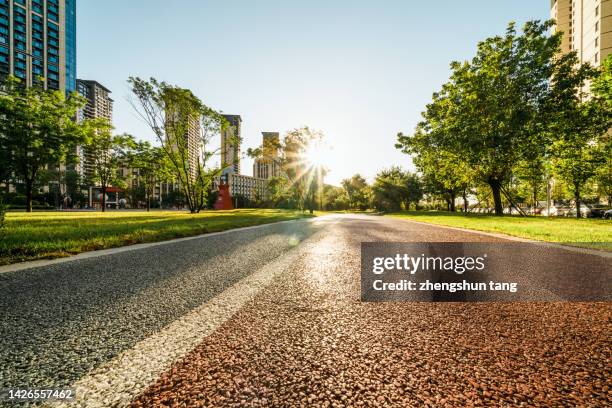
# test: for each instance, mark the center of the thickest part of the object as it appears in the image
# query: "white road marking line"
(116, 382)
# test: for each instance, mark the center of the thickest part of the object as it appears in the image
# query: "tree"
(357, 191)
(445, 173)
(305, 178)
(108, 153)
(37, 130)
(152, 166)
(580, 125)
(602, 89)
(494, 108)
(175, 115)
(394, 188)
(335, 198)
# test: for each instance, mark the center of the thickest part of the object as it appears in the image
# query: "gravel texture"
(307, 340)
(60, 321)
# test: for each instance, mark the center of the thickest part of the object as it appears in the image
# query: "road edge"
(588, 251)
(110, 251)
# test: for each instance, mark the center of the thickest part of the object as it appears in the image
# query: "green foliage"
(152, 166)
(358, 192)
(108, 153)
(503, 114)
(335, 198)
(579, 125)
(3, 208)
(37, 129)
(305, 180)
(395, 189)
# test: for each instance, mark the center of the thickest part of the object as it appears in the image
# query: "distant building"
(249, 187)
(268, 165)
(99, 105)
(38, 40)
(586, 27)
(230, 145)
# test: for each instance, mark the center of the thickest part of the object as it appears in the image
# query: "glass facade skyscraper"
(38, 40)
(71, 61)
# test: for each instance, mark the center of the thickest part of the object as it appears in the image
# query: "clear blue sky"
(360, 71)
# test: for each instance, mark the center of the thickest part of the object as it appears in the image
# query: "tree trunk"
(465, 203)
(453, 196)
(577, 198)
(29, 196)
(148, 203)
(103, 198)
(497, 201)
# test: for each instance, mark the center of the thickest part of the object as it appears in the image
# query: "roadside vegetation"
(38, 235)
(585, 232)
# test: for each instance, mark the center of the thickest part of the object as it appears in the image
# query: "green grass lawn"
(584, 232)
(57, 234)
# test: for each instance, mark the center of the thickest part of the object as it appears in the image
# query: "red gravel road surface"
(307, 340)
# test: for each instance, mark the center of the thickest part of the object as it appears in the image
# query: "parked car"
(598, 211)
(608, 215)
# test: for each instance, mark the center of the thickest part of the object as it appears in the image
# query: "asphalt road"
(303, 337)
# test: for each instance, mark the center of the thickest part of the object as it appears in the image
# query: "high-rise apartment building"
(71, 44)
(99, 105)
(230, 144)
(586, 27)
(38, 40)
(268, 165)
(189, 141)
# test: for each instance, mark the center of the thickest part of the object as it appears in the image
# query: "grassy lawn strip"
(41, 235)
(584, 232)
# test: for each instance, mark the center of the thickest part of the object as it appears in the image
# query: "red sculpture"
(224, 199)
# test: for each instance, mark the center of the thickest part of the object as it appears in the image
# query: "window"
(597, 41)
(597, 10)
(597, 26)
(596, 57)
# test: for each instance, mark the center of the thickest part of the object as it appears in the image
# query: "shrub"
(2, 215)
(18, 200)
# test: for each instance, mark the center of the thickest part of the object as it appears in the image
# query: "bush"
(2, 215)
(18, 200)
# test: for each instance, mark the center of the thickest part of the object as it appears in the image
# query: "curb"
(110, 251)
(588, 251)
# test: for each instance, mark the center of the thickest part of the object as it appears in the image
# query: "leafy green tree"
(394, 188)
(445, 173)
(152, 166)
(108, 154)
(335, 198)
(357, 191)
(173, 113)
(602, 89)
(531, 174)
(580, 125)
(37, 130)
(496, 107)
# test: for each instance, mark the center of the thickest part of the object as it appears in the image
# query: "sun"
(313, 155)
